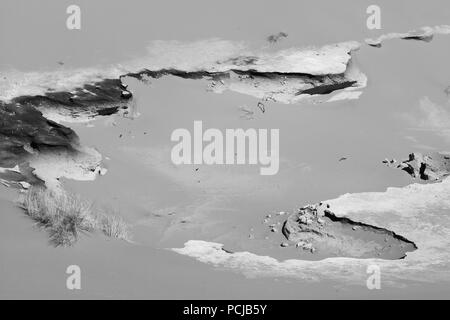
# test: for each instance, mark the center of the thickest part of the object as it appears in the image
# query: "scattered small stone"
(261, 107)
(273, 230)
(321, 221)
(354, 228)
(274, 38)
(25, 185)
(284, 244)
(300, 244)
(126, 94)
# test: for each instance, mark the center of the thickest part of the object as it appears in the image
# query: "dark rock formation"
(328, 88)
(23, 128)
(319, 84)
(87, 100)
(274, 38)
(419, 37)
(23, 125)
(433, 166)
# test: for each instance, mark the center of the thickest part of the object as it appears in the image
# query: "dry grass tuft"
(65, 216)
(113, 226)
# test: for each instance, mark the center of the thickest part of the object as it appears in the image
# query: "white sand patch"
(345, 95)
(83, 165)
(215, 55)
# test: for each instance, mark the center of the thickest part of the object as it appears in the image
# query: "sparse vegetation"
(113, 226)
(65, 216)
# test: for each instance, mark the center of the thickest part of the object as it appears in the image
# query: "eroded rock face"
(316, 229)
(286, 76)
(270, 86)
(84, 103)
(23, 125)
(29, 128)
(431, 167)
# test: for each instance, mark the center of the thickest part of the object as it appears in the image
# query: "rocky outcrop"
(274, 38)
(317, 228)
(286, 76)
(431, 167)
(27, 127)
(100, 98)
(23, 126)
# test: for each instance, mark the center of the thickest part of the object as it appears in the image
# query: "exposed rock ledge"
(430, 167)
(316, 227)
(423, 34)
(418, 212)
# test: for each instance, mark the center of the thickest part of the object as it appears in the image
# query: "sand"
(181, 217)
